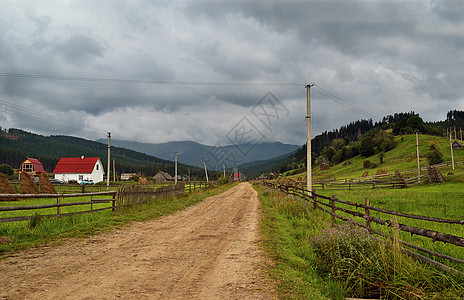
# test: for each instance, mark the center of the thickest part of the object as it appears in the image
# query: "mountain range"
(192, 153)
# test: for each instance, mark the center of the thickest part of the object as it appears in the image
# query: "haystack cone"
(27, 185)
(6, 188)
(45, 185)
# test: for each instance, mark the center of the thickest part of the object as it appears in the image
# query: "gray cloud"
(380, 56)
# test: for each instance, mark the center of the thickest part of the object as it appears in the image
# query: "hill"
(401, 158)
(16, 145)
(192, 153)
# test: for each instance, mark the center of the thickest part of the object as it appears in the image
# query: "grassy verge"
(316, 260)
(45, 230)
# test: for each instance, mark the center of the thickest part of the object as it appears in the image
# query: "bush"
(6, 169)
(434, 157)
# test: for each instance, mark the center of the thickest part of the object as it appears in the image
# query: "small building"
(79, 169)
(32, 166)
(127, 176)
(457, 145)
(163, 176)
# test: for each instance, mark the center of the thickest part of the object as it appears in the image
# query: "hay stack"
(27, 185)
(6, 188)
(46, 187)
(143, 180)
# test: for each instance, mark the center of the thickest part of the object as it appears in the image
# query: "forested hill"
(398, 123)
(16, 145)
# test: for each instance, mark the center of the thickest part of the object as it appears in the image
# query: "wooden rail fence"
(329, 205)
(124, 195)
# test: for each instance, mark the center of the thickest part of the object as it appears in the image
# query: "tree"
(6, 169)
(416, 123)
(367, 147)
(434, 157)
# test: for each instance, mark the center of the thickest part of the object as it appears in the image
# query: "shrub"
(434, 157)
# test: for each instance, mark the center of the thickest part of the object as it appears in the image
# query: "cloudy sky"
(158, 71)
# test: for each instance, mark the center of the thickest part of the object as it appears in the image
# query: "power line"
(141, 81)
(32, 115)
(342, 102)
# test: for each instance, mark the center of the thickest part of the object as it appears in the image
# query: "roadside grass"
(49, 230)
(316, 260)
(431, 200)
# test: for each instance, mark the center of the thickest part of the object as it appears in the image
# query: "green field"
(291, 224)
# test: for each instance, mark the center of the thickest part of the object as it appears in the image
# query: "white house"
(79, 168)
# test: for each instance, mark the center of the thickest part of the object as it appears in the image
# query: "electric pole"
(206, 171)
(109, 163)
(114, 170)
(224, 169)
(308, 140)
(175, 169)
(452, 154)
(417, 148)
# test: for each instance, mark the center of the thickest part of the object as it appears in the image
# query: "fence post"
(314, 199)
(333, 208)
(58, 209)
(367, 213)
(114, 200)
(91, 202)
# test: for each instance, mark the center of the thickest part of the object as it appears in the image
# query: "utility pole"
(417, 148)
(114, 170)
(452, 154)
(109, 163)
(308, 140)
(455, 133)
(206, 171)
(224, 169)
(460, 132)
(175, 168)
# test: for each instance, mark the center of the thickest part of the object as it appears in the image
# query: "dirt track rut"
(208, 251)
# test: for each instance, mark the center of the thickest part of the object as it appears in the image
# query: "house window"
(81, 177)
(97, 167)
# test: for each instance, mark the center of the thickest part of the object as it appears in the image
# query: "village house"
(163, 176)
(32, 166)
(457, 145)
(127, 176)
(79, 169)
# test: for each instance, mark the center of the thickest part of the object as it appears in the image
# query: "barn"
(163, 176)
(79, 169)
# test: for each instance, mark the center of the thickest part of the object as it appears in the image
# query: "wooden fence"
(331, 205)
(124, 195)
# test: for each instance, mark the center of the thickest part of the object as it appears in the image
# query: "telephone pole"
(175, 169)
(206, 171)
(452, 154)
(308, 140)
(109, 163)
(417, 148)
(224, 169)
(114, 170)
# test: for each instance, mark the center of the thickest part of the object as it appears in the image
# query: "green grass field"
(289, 226)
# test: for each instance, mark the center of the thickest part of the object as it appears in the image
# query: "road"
(211, 250)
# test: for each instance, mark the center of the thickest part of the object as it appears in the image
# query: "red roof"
(74, 165)
(37, 165)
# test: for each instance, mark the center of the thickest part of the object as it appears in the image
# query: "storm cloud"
(158, 71)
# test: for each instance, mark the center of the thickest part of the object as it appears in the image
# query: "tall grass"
(317, 260)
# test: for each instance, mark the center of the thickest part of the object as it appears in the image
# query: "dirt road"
(208, 251)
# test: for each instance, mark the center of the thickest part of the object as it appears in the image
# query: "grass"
(46, 230)
(432, 200)
(316, 260)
